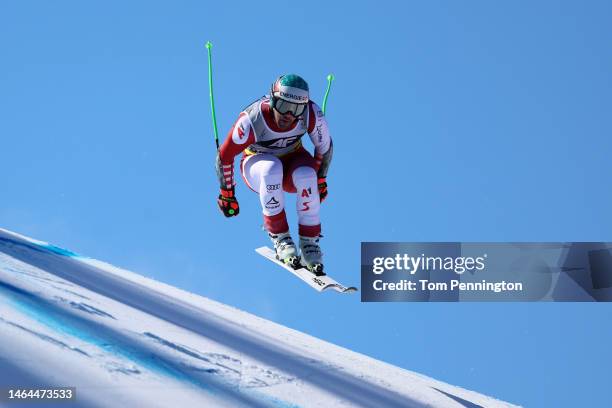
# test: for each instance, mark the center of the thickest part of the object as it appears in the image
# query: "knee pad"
(269, 174)
(304, 177)
(270, 169)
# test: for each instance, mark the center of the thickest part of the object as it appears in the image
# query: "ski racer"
(268, 133)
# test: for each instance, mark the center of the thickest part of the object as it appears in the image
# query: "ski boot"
(311, 254)
(286, 252)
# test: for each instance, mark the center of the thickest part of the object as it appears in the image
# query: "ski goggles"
(283, 107)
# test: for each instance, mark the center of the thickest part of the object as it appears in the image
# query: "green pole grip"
(210, 87)
(330, 78)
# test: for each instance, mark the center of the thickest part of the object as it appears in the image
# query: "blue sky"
(452, 121)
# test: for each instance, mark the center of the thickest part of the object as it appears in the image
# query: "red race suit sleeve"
(239, 137)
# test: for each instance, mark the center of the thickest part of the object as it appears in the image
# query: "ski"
(318, 283)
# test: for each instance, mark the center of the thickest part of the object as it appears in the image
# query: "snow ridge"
(119, 337)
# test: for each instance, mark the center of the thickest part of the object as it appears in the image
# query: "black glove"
(228, 203)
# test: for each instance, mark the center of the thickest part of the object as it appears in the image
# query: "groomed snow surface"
(124, 340)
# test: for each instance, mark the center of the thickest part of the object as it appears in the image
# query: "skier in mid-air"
(268, 132)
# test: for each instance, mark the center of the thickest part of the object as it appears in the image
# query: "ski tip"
(208, 45)
(342, 289)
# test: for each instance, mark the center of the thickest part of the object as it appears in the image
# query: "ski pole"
(330, 78)
(210, 87)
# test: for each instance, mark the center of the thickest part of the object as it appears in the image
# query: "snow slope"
(125, 340)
